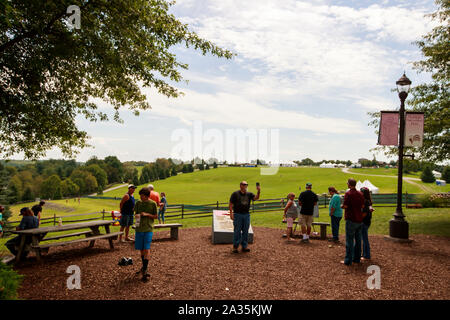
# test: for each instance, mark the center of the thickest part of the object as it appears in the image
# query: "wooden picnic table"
(38, 235)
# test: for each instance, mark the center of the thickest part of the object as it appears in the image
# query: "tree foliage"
(51, 72)
(431, 98)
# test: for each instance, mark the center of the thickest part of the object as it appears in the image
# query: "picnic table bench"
(323, 228)
(38, 236)
(173, 228)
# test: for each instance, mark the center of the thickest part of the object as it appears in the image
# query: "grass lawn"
(209, 186)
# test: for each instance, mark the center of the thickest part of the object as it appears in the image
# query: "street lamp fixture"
(398, 226)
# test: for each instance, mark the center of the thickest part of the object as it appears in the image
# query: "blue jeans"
(352, 242)
(335, 221)
(241, 224)
(161, 214)
(365, 241)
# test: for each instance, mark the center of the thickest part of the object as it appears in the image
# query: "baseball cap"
(150, 186)
(131, 186)
(309, 184)
(23, 211)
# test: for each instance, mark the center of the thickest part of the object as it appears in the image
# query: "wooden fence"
(192, 211)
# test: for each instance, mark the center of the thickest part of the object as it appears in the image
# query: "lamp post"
(398, 226)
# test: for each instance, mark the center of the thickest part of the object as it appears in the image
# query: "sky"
(305, 73)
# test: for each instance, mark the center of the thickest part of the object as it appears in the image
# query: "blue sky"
(311, 69)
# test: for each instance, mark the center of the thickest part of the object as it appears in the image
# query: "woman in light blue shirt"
(335, 212)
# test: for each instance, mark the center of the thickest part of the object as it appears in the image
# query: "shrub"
(9, 282)
(446, 174)
(427, 175)
(435, 200)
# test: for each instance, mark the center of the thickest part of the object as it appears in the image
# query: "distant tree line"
(55, 179)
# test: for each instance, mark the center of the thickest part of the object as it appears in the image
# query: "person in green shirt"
(145, 213)
(335, 212)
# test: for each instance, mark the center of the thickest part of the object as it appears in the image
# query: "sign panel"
(388, 133)
(414, 129)
(223, 229)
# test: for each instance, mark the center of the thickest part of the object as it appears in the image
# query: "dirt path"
(193, 268)
(407, 179)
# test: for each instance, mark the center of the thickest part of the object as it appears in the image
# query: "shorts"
(290, 222)
(126, 220)
(306, 220)
(142, 240)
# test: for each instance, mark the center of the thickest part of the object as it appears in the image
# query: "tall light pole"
(398, 226)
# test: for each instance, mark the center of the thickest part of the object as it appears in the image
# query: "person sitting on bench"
(29, 221)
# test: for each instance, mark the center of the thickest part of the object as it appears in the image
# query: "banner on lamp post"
(414, 129)
(388, 133)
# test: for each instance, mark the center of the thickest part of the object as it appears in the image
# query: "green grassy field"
(213, 185)
(202, 187)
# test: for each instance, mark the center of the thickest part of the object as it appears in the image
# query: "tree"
(99, 174)
(91, 184)
(28, 194)
(215, 165)
(69, 188)
(5, 193)
(15, 189)
(50, 70)
(432, 98)
(51, 188)
(446, 174)
(173, 172)
(427, 175)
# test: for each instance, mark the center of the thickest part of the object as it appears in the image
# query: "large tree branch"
(34, 32)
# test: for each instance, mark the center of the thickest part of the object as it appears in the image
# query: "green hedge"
(9, 282)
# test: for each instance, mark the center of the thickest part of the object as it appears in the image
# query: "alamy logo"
(74, 20)
(374, 281)
(74, 281)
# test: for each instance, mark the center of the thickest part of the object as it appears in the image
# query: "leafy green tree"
(215, 165)
(173, 172)
(91, 184)
(69, 188)
(28, 194)
(99, 174)
(15, 188)
(114, 169)
(51, 70)
(446, 174)
(427, 175)
(432, 98)
(51, 187)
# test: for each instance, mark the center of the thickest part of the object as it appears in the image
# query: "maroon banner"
(388, 133)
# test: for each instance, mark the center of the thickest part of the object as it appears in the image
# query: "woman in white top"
(290, 214)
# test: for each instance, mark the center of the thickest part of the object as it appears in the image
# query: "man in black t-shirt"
(37, 210)
(307, 200)
(240, 214)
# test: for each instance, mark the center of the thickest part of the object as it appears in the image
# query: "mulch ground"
(193, 268)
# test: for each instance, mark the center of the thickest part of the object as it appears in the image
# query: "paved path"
(407, 179)
(110, 189)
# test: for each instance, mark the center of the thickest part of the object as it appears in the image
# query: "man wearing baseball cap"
(240, 214)
(126, 211)
(307, 200)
